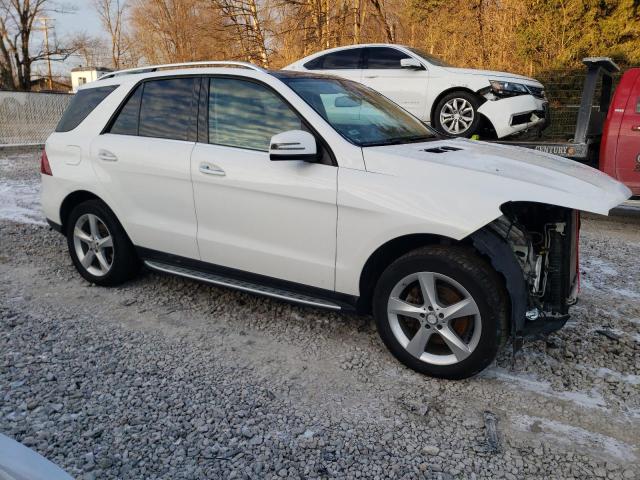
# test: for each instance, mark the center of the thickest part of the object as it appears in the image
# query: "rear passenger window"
(166, 110)
(245, 114)
(341, 60)
(82, 104)
(126, 123)
(384, 58)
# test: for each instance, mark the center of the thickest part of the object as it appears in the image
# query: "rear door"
(144, 161)
(406, 87)
(345, 63)
(628, 151)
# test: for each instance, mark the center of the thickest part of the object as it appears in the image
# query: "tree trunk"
(383, 19)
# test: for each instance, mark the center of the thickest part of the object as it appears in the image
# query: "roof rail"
(155, 68)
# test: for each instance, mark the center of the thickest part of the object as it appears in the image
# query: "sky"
(82, 19)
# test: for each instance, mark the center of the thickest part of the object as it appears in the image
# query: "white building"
(82, 75)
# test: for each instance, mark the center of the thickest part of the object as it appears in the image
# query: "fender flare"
(499, 253)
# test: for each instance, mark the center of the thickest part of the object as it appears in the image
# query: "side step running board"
(245, 286)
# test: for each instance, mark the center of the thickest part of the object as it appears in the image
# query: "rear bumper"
(515, 114)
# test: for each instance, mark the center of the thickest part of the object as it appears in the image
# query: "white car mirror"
(293, 145)
(411, 63)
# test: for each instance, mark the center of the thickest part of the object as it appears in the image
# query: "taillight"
(45, 168)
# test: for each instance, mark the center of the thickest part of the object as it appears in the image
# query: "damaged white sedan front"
(459, 102)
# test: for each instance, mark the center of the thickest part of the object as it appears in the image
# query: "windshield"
(430, 58)
(361, 115)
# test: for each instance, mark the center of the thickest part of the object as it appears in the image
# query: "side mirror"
(411, 63)
(293, 145)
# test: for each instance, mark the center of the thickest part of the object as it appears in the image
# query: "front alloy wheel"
(434, 318)
(456, 116)
(442, 310)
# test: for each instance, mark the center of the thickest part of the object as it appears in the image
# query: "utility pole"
(45, 27)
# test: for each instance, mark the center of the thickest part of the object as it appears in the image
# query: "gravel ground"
(168, 378)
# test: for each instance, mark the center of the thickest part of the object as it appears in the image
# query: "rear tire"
(441, 311)
(99, 247)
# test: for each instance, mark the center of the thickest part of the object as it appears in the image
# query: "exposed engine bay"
(544, 239)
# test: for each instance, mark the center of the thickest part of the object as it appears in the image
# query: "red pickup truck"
(620, 144)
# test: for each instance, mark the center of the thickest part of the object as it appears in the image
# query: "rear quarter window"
(82, 104)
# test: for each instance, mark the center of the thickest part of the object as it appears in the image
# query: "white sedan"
(456, 101)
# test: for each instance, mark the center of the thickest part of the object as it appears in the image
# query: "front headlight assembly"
(508, 89)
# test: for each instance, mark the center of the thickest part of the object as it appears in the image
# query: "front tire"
(457, 114)
(441, 311)
(99, 247)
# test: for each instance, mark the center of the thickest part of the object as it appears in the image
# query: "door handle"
(211, 169)
(371, 76)
(107, 156)
(635, 128)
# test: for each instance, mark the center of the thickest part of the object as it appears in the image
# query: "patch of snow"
(625, 292)
(20, 202)
(599, 267)
(572, 436)
(591, 399)
(7, 163)
(631, 379)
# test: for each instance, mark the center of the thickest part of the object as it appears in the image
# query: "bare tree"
(381, 13)
(111, 13)
(244, 17)
(18, 21)
(90, 50)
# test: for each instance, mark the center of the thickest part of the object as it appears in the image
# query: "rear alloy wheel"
(99, 247)
(441, 311)
(93, 244)
(457, 114)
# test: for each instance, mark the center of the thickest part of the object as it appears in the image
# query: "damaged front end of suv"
(538, 255)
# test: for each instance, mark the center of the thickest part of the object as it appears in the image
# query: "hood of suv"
(475, 169)
(491, 75)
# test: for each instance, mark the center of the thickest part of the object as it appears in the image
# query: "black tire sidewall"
(475, 284)
(475, 103)
(125, 262)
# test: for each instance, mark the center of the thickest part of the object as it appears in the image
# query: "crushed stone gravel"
(167, 378)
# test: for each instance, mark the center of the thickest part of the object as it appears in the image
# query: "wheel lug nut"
(441, 315)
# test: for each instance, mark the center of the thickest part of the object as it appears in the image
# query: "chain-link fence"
(564, 91)
(27, 118)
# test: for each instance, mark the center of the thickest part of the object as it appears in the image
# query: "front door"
(273, 218)
(144, 162)
(346, 63)
(406, 87)
(628, 151)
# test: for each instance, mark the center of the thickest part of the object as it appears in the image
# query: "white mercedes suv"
(456, 101)
(323, 192)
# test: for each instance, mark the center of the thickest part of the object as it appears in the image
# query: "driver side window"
(384, 58)
(245, 114)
